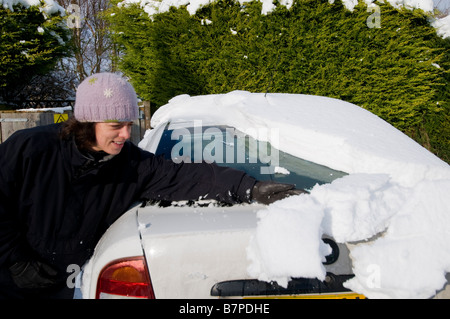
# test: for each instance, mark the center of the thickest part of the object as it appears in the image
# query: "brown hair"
(83, 132)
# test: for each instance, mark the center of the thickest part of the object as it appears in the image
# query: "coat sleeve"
(12, 245)
(169, 181)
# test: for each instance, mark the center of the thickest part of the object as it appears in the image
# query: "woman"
(63, 185)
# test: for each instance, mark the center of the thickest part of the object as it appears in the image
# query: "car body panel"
(189, 250)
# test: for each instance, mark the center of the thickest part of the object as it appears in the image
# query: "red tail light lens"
(122, 278)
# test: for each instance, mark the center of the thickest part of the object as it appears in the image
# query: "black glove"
(33, 275)
(269, 192)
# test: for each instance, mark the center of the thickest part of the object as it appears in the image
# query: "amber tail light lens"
(125, 278)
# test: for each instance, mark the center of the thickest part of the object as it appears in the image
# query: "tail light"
(125, 278)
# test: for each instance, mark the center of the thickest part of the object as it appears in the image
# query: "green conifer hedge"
(393, 64)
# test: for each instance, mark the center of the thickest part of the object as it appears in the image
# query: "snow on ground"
(396, 190)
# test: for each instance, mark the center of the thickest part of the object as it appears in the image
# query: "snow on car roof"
(395, 188)
(323, 130)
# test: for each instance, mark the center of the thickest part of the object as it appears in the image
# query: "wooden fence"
(11, 121)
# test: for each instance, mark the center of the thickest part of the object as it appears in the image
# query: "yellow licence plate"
(343, 295)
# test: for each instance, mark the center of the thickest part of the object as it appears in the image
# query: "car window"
(228, 147)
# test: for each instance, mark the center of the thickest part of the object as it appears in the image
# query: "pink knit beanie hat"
(105, 97)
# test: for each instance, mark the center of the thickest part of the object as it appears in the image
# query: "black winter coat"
(55, 203)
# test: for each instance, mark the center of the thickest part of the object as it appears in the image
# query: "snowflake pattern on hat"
(108, 93)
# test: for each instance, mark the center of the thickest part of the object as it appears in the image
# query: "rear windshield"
(226, 146)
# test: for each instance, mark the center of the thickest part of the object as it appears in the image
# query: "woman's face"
(111, 136)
